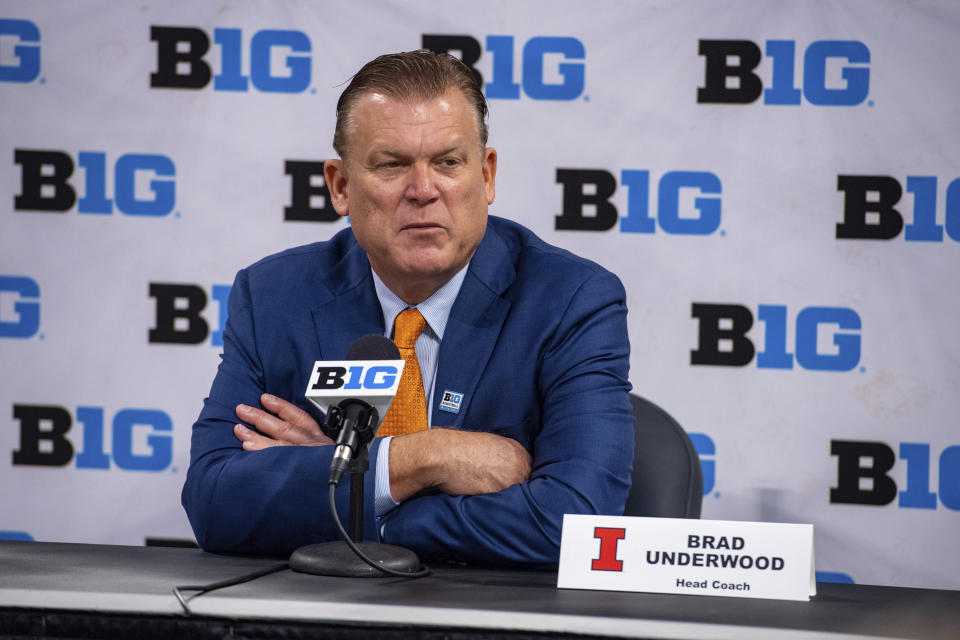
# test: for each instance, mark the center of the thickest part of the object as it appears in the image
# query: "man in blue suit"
(533, 338)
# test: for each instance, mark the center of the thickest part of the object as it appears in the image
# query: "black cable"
(423, 572)
(229, 582)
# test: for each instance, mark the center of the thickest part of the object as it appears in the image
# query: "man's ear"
(335, 175)
(490, 173)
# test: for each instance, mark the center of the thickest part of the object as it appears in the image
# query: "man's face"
(416, 184)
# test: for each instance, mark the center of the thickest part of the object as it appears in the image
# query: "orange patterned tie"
(408, 413)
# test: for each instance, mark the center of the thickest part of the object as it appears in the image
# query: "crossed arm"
(453, 462)
(465, 495)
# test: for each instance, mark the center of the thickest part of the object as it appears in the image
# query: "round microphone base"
(337, 559)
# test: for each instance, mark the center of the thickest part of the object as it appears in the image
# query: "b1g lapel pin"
(451, 401)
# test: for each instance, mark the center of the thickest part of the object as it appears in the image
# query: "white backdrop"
(711, 207)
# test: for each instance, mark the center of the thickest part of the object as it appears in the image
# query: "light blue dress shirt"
(435, 310)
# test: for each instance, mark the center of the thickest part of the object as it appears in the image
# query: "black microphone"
(359, 420)
(373, 346)
(355, 393)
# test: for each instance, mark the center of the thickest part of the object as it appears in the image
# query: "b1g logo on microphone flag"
(375, 381)
(377, 377)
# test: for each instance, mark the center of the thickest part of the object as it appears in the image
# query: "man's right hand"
(455, 462)
(286, 424)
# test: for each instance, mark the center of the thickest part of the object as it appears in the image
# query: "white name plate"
(698, 557)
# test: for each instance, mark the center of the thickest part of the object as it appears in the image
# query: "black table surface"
(37, 578)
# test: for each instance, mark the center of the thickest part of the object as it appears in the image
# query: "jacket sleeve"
(582, 452)
(261, 502)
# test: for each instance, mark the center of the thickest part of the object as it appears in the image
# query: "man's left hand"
(290, 426)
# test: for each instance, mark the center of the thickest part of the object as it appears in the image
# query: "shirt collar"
(435, 309)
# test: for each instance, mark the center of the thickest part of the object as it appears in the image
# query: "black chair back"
(667, 478)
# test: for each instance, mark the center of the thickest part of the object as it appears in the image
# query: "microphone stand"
(357, 467)
(338, 558)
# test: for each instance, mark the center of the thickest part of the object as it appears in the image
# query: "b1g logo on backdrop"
(863, 475)
(19, 307)
(707, 452)
(309, 196)
(183, 61)
(688, 202)
(23, 37)
(178, 309)
(723, 341)
(140, 439)
(832, 73)
(869, 213)
(551, 67)
(143, 184)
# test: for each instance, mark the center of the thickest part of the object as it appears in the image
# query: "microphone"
(373, 346)
(354, 394)
(360, 422)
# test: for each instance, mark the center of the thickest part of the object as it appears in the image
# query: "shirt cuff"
(383, 500)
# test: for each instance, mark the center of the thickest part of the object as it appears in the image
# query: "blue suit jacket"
(537, 344)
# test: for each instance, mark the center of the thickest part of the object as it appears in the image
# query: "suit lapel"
(474, 325)
(348, 308)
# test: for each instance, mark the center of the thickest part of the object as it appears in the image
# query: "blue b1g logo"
(730, 78)
(25, 320)
(140, 439)
(872, 461)
(723, 337)
(27, 66)
(178, 318)
(354, 376)
(44, 183)
(591, 189)
(869, 211)
(541, 57)
(181, 61)
(707, 451)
